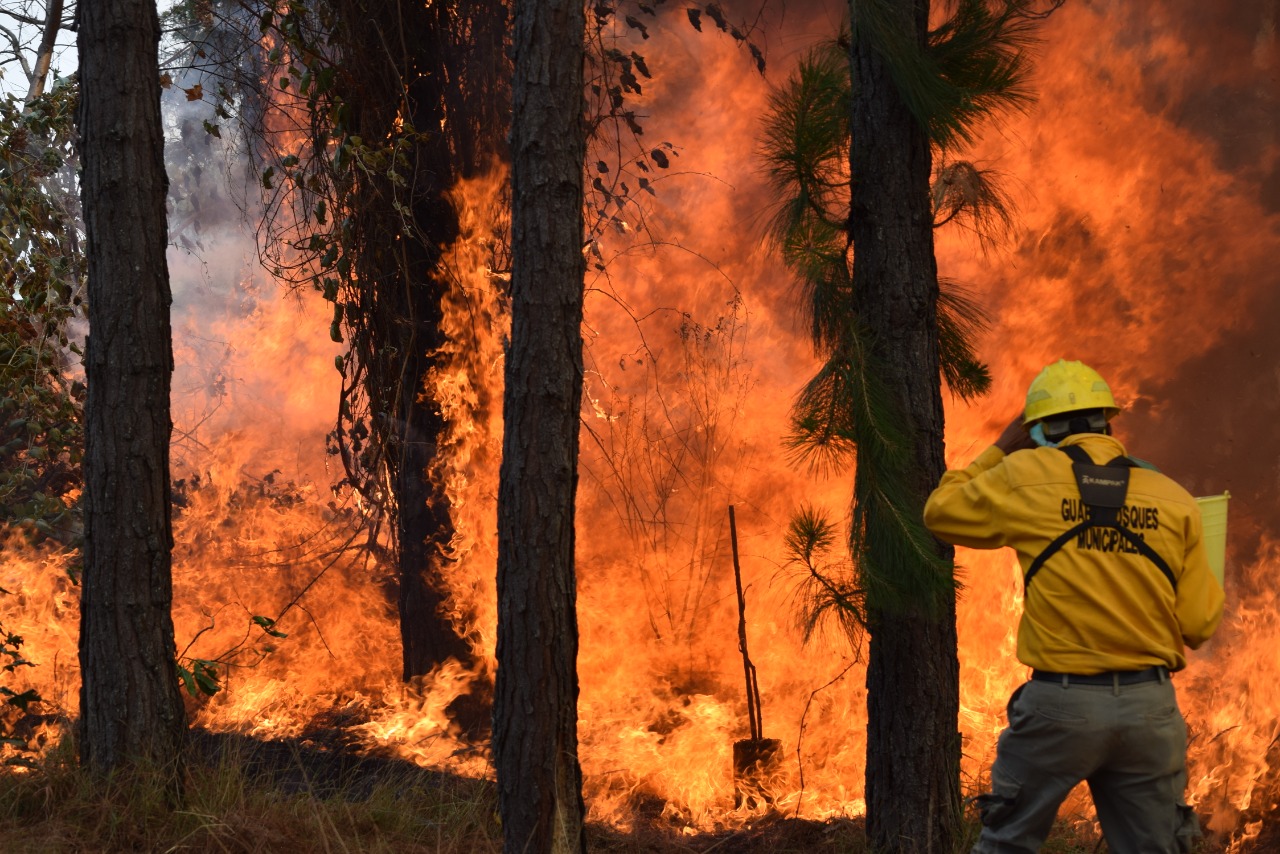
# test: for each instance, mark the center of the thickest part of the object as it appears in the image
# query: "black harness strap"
(1103, 490)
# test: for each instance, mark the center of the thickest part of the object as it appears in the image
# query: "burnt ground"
(298, 766)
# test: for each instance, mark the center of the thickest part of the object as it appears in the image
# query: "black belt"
(1158, 673)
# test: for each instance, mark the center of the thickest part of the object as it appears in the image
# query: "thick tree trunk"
(535, 741)
(438, 70)
(912, 775)
(428, 636)
(130, 705)
(402, 271)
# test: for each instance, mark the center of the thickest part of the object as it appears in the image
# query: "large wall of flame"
(1146, 182)
(1147, 178)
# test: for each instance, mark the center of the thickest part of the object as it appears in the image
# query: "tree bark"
(912, 773)
(438, 68)
(535, 713)
(130, 705)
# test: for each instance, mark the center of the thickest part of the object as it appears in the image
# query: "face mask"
(1037, 435)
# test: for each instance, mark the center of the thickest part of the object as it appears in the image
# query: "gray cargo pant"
(1129, 742)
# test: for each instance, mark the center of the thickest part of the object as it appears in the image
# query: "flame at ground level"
(656, 734)
(1145, 209)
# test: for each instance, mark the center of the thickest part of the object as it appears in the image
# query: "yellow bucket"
(1213, 513)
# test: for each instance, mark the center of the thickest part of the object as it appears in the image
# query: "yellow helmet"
(1067, 387)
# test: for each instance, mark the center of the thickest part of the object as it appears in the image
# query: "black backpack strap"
(1149, 553)
(1050, 550)
(1103, 490)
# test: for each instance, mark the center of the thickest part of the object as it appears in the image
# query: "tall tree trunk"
(535, 739)
(912, 773)
(130, 704)
(438, 68)
(407, 80)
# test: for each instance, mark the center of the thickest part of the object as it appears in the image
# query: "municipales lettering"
(1131, 516)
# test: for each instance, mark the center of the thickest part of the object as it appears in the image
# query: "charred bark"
(535, 713)
(130, 706)
(912, 779)
(438, 68)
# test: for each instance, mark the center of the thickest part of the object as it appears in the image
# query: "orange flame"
(1147, 226)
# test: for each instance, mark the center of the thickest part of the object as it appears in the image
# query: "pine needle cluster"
(972, 69)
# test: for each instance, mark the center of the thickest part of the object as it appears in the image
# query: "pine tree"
(535, 722)
(131, 710)
(859, 145)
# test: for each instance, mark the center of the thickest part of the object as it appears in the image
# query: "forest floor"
(325, 773)
(294, 797)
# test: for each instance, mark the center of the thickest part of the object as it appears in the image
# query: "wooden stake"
(753, 689)
(755, 758)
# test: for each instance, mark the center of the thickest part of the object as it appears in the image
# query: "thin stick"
(753, 689)
(800, 738)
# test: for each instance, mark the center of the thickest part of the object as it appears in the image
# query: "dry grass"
(228, 807)
(244, 797)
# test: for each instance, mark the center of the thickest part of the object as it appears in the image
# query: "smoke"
(250, 354)
(1149, 227)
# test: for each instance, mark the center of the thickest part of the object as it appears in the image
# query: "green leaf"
(188, 680)
(206, 676)
(266, 623)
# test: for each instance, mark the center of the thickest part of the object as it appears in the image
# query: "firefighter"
(1116, 586)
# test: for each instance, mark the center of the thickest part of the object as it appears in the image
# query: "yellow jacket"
(1096, 605)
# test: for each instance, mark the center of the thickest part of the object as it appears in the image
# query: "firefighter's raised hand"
(1015, 437)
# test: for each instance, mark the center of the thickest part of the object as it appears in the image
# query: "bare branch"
(44, 54)
(18, 53)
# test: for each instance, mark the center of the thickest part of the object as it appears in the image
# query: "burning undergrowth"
(1141, 248)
